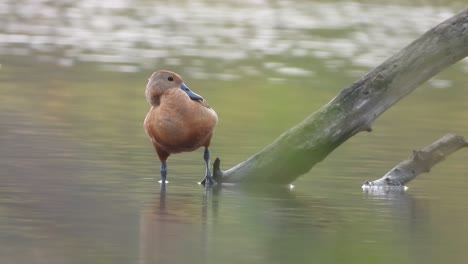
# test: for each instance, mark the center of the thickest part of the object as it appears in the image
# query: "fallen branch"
(421, 161)
(354, 110)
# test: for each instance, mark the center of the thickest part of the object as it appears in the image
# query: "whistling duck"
(179, 120)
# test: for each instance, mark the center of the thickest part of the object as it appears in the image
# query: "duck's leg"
(208, 177)
(163, 172)
(163, 155)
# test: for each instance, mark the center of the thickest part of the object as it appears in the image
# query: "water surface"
(79, 177)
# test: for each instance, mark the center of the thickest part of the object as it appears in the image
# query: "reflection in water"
(277, 226)
(413, 217)
(169, 235)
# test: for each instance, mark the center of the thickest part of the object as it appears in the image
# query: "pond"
(79, 178)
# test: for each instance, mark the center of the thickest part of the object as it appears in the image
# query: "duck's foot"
(208, 181)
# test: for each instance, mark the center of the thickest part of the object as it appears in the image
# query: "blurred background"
(79, 178)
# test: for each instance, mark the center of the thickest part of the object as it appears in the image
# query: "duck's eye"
(170, 78)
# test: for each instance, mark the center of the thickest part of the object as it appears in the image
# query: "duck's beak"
(189, 92)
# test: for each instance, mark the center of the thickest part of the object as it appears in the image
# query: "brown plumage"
(179, 120)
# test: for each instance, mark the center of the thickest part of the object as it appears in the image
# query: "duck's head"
(161, 81)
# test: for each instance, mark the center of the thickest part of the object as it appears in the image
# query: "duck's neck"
(153, 100)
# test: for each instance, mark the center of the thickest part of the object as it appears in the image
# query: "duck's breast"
(180, 124)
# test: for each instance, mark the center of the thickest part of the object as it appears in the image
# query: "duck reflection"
(268, 224)
(173, 230)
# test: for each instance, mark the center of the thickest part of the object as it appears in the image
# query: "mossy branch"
(421, 161)
(354, 109)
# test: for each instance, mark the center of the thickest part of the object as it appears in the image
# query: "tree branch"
(421, 161)
(354, 110)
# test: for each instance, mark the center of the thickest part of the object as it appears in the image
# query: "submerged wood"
(355, 108)
(421, 161)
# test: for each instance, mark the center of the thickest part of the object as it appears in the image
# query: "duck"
(179, 120)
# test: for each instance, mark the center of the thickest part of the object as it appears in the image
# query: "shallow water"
(79, 177)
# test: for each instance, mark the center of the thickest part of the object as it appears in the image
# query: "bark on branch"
(421, 161)
(354, 110)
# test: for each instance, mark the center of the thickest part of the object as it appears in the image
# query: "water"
(79, 177)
